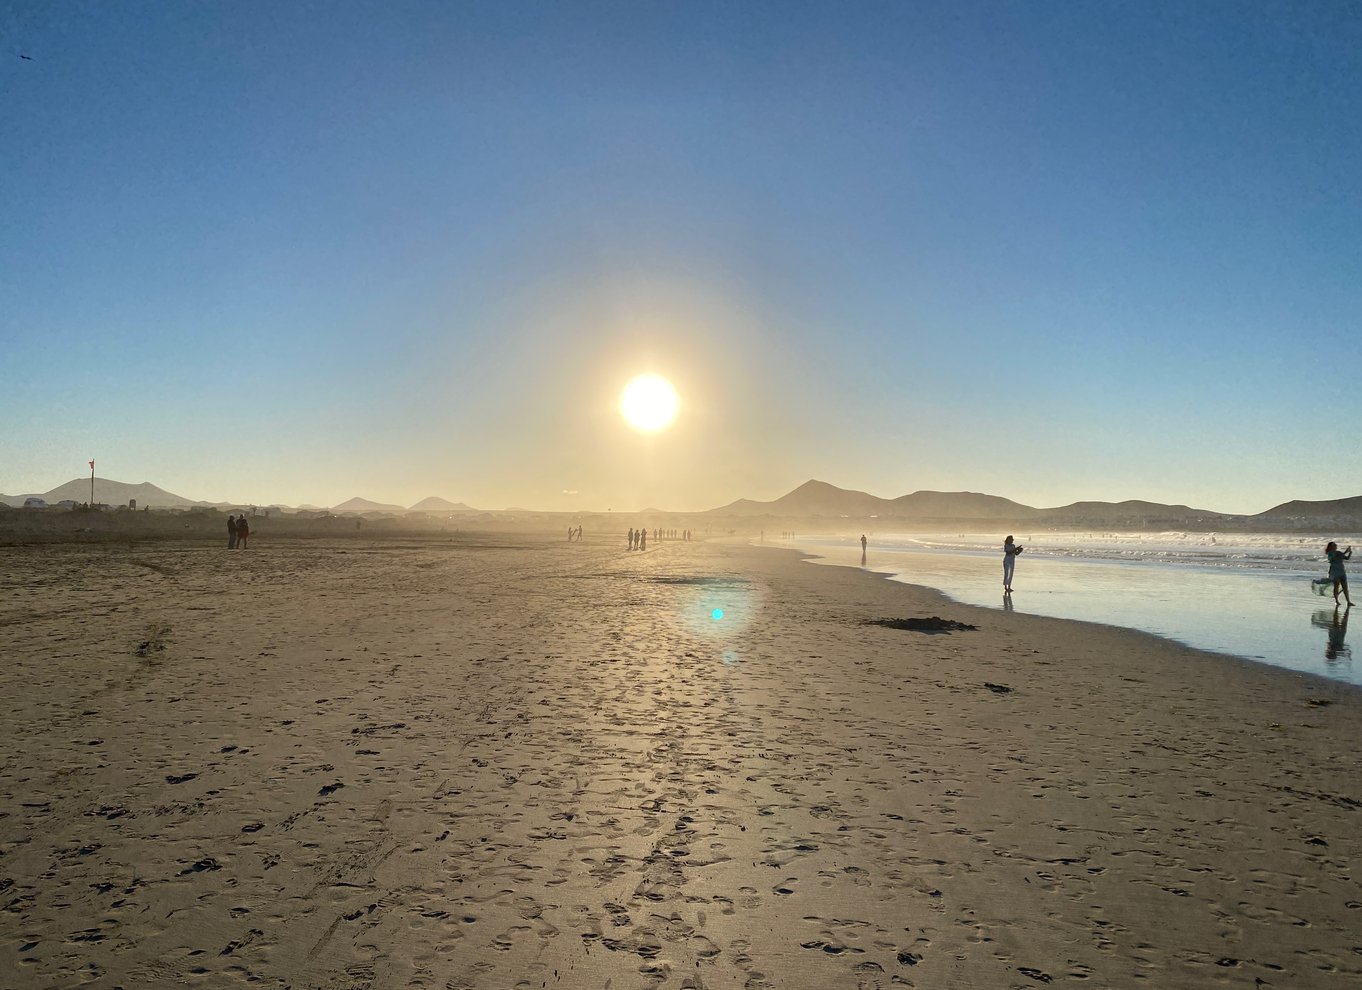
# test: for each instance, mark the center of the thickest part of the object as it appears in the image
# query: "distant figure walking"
(243, 531)
(231, 532)
(643, 539)
(1336, 572)
(631, 537)
(1010, 552)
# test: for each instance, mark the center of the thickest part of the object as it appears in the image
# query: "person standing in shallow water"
(1010, 551)
(1336, 572)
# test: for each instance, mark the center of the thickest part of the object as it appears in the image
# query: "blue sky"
(299, 252)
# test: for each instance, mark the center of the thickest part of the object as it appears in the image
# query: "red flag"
(92, 465)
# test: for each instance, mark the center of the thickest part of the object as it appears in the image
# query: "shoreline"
(1217, 655)
(1279, 647)
(370, 764)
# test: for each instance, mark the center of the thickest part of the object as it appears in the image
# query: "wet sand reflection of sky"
(1259, 614)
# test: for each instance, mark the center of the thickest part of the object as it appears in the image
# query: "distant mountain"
(1337, 508)
(1134, 514)
(820, 499)
(960, 505)
(437, 504)
(364, 505)
(813, 498)
(107, 492)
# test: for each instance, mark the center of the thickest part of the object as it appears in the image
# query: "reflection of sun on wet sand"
(526, 762)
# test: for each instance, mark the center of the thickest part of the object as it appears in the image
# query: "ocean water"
(1243, 594)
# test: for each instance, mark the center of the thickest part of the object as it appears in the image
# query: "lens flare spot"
(717, 614)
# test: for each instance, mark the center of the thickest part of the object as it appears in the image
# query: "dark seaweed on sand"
(931, 624)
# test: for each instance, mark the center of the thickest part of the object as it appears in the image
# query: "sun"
(648, 403)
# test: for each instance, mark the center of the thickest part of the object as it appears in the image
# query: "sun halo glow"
(648, 403)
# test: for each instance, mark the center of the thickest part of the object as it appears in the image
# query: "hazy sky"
(292, 252)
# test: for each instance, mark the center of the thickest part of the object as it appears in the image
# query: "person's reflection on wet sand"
(1007, 601)
(1336, 623)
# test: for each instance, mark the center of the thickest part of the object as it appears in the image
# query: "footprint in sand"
(705, 948)
(505, 941)
(859, 876)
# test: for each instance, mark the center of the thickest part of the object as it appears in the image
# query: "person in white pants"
(1010, 551)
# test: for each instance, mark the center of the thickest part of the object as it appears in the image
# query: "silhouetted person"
(1010, 552)
(1336, 572)
(231, 532)
(643, 539)
(631, 537)
(243, 531)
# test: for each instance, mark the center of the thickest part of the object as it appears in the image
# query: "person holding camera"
(1336, 572)
(1010, 551)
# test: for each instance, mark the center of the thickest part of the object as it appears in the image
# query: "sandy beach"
(504, 762)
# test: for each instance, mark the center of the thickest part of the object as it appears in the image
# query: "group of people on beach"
(238, 532)
(638, 538)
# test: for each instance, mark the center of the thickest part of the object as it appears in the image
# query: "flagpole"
(92, 484)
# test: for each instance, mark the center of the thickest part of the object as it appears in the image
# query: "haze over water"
(1249, 596)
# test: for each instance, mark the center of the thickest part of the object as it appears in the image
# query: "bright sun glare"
(648, 403)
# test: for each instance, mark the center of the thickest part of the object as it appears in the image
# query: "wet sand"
(522, 763)
(1258, 613)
